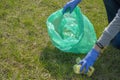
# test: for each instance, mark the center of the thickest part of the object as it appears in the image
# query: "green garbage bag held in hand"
(71, 32)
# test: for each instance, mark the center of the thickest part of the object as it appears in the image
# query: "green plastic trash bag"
(71, 32)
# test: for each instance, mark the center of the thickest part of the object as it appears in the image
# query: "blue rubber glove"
(70, 5)
(89, 60)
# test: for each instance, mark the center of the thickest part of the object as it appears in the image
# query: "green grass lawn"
(26, 52)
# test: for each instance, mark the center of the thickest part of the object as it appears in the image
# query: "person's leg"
(116, 41)
(112, 8)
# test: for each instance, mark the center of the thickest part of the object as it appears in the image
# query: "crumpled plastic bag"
(71, 32)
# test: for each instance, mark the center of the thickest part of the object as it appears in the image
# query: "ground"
(26, 52)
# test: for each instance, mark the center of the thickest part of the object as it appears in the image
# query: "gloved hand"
(89, 60)
(71, 5)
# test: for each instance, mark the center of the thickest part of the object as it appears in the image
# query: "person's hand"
(89, 60)
(70, 5)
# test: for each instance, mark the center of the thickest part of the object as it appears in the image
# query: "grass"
(26, 52)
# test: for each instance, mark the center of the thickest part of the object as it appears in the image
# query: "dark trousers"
(112, 9)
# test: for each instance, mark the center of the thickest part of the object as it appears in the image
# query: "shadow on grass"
(108, 65)
(60, 64)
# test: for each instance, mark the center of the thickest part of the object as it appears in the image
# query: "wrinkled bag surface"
(71, 32)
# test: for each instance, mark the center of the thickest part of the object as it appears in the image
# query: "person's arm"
(109, 33)
(97, 48)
